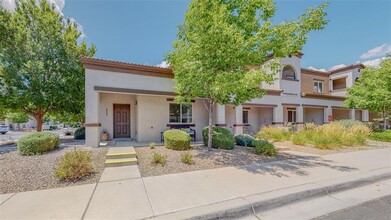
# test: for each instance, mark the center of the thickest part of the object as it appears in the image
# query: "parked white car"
(3, 129)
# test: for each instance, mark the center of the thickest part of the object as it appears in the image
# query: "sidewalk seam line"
(149, 200)
(89, 201)
(109, 181)
(8, 199)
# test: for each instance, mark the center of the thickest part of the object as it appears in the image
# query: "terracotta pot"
(104, 136)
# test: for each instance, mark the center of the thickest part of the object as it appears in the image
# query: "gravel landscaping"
(313, 150)
(203, 158)
(25, 173)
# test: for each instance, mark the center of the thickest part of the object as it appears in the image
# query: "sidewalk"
(122, 194)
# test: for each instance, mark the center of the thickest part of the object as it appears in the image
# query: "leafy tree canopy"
(221, 40)
(39, 61)
(372, 90)
(18, 117)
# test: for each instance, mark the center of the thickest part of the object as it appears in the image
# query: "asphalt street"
(377, 209)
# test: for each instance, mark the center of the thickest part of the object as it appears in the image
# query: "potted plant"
(104, 136)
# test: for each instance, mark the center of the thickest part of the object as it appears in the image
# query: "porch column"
(365, 115)
(238, 126)
(278, 115)
(327, 111)
(352, 114)
(220, 115)
(92, 118)
(299, 115)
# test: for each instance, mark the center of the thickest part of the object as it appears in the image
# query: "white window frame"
(293, 115)
(317, 83)
(180, 113)
(247, 116)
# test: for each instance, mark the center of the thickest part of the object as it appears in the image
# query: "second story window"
(181, 113)
(318, 86)
(339, 84)
(288, 73)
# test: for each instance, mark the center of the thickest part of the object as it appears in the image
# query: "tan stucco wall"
(153, 117)
(307, 83)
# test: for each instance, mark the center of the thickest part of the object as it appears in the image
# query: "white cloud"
(314, 68)
(373, 63)
(337, 66)
(80, 28)
(58, 5)
(8, 4)
(163, 64)
(377, 51)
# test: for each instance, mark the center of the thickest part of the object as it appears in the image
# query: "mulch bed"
(313, 150)
(204, 159)
(25, 173)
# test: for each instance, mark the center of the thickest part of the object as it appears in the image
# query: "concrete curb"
(248, 205)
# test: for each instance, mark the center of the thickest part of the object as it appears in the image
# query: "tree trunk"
(210, 111)
(384, 121)
(39, 117)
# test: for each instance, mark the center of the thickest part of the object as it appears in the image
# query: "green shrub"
(333, 135)
(244, 140)
(80, 133)
(381, 136)
(177, 140)
(274, 134)
(152, 145)
(264, 148)
(187, 158)
(38, 143)
(222, 138)
(158, 159)
(347, 123)
(74, 165)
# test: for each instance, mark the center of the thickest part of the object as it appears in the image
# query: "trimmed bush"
(244, 140)
(74, 165)
(177, 140)
(222, 138)
(264, 148)
(38, 143)
(274, 134)
(80, 133)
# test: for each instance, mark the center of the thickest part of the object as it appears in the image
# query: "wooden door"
(121, 121)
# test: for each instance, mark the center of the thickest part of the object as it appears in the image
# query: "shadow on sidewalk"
(294, 164)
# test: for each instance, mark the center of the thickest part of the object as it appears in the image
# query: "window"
(245, 117)
(288, 73)
(291, 115)
(181, 113)
(339, 83)
(318, 86)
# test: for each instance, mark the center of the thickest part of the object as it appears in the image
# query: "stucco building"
(136, 101)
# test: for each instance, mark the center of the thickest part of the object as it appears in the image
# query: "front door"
(121, 121)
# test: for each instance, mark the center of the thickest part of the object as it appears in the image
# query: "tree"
(220, 39)
(39, 61)
(18, 117)
(372, 90)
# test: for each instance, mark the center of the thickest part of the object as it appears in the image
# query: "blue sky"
(142, 31)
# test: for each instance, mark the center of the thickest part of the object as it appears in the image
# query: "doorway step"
(121, 156)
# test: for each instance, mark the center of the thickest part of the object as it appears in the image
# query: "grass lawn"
(381, 136)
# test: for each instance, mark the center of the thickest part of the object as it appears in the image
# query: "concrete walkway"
(122, 194)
